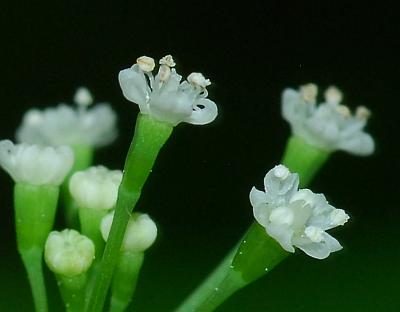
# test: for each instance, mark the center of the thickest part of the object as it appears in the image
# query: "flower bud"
(140, 234)
(34, 164)
(96, 187)
(68, 253)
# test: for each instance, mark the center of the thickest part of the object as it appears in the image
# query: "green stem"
(90, 220)
(256, 255)
(73, 291)
(208, 286)
(150, 136)
(83, 159)
(35, 208)
(125, 279)
(304, 159)
(32, 259)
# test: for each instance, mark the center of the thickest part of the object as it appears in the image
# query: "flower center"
(314, 233)
(281, 216)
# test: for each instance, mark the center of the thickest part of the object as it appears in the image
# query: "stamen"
(33, 118)
(281, 172)
(83, 97)
(167, 60)
(362, 112)
(197, 79)
(309, 92)
(146, 63)
(344, 111)
(333, 95)
(314, 233)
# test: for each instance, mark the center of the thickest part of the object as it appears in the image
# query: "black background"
(198, 191)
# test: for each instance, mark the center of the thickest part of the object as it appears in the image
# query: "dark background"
(198, 191)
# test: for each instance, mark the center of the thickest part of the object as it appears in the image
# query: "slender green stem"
(304, 159)
(73, 291)
(212, 298)
(32, 259)
(35, 208)
(207, 288)
(90, 220)
(256, 254)
(150, 136)
(125, 279)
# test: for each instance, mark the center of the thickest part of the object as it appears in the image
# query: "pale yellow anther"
(145, 63)
(197, 79)
(83, 97)
(281, 172)
(167, 60)
(309, 92)
(164, 72)
(33, 117)
(362, 112)
(343, 110)
(333, 95)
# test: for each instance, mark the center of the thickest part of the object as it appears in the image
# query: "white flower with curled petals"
(68, 253)
(330, 125)
(34, 164)
(65, 125)
(296, 218)
(95, 187)
(140, 234)
(165, 97)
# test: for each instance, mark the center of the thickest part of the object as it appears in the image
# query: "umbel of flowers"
(296, 217)
(79, 126)
(330, 125)
(164, 96)
(320, 129)
(286, 217)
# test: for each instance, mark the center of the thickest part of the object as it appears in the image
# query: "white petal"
(205, 112)
(279, 190)
(290, 99)
(257, 197)
(134, 85)
(282, 234)
(322, 249)
(360, 144)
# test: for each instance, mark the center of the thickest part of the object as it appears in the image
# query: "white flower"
(140, 234)
(95, 187)
(65, 125)
(164, 96)
(68, 253)
(330, 125)
(295, 217)
(34, 164)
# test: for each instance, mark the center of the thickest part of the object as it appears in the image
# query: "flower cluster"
(330, 125)
(164, 96)
(34, 164)
(64, 125)
(296, 217)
